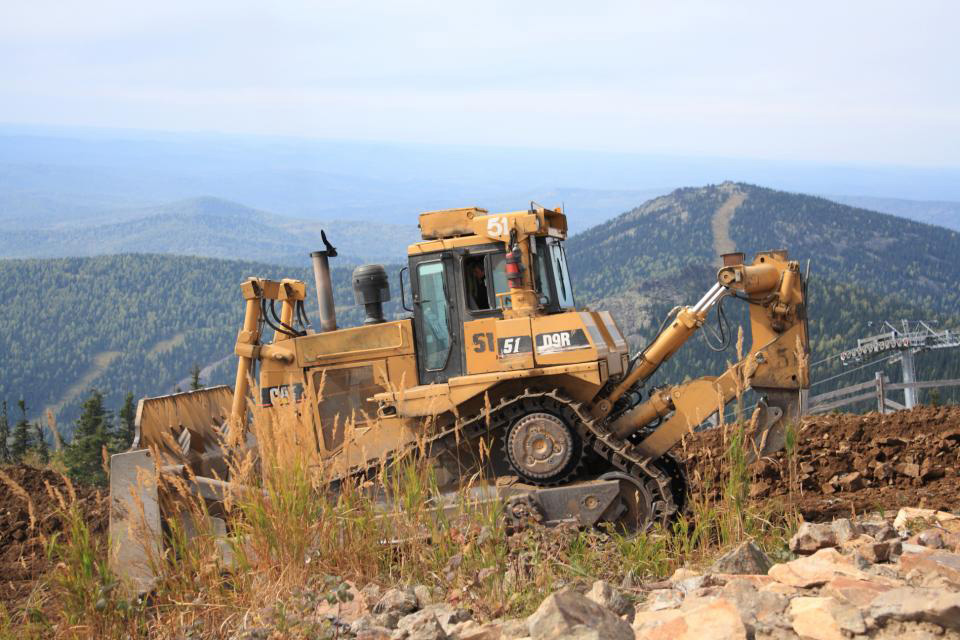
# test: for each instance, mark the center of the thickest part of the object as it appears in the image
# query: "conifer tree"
(40, 444)
(92, 432)
(21, 434)
(126, 429)
(4, 433)
(195, 378)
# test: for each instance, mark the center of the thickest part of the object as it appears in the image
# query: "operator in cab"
(477, 296)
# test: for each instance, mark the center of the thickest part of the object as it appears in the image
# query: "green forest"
(126, 323)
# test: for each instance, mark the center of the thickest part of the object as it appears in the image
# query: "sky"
(860, 82)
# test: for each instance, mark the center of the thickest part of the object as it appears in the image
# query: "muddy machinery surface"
(493, 354)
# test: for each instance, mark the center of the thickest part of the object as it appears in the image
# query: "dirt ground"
(851, 463)
(23, 557)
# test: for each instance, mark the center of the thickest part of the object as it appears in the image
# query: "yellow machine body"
(495, 355)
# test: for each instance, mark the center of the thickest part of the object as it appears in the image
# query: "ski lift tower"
(902, 344)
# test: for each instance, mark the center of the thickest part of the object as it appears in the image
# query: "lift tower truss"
(902, 344)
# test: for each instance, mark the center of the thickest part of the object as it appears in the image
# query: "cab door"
(437, 324)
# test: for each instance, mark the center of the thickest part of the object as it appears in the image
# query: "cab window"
(499, 272)
(558, 264)
(476, 283)
(434, 316)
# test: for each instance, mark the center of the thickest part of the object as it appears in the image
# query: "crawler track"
(663, 478)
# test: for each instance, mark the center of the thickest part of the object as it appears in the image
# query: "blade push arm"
(775, 366)
(684, 325)
(248, 346)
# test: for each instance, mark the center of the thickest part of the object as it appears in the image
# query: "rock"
(932, 538)
(908, 469)
(918, 605)
(387, 621)
(747, 558)
(682, 574)
(879, 530)
(951, 542)
(514, 628)
(347, 611)
(907, 547)
(758, 581)
(928, 471)
(691, 584)
(811, 537)
(759, 610)
(870, 549)
(422, 625)
(822, 618)
(782, 589)
(399, 601)
(606, 596)
(946, 520)
(715, 618)
(423, 595)
(941, 563)
(374, 633)
(815, 570)
(473, 631)
(447, 615)
(371, 595)
(852, 481)
(568, 614)
(660, 599)
(858, 593)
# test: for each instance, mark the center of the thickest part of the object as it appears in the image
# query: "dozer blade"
(779, 409)
(184, 426)
(173, 430)
(135, 527)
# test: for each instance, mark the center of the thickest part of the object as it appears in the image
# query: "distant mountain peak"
(694, 225)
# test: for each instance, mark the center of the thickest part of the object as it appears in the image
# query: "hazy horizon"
(857, 84)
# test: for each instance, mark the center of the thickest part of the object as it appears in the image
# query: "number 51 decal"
(497, 226)
(508, 346)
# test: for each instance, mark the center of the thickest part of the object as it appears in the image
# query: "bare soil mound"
(849, 463)
(23, 556)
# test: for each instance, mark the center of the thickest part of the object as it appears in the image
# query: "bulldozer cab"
(459, 276)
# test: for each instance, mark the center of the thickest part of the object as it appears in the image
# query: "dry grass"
(294, 542)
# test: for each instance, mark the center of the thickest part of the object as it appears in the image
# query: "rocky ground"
(876, 577)
(849, 464)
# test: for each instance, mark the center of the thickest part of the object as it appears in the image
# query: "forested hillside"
(124, 323)
(865, 268)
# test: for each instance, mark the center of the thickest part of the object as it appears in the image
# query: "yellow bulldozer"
(492, 353)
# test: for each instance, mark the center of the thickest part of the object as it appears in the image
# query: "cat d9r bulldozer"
(494, 353)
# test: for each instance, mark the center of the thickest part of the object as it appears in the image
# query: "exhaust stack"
(321, 275)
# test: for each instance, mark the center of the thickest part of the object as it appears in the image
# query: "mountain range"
(91, 177)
